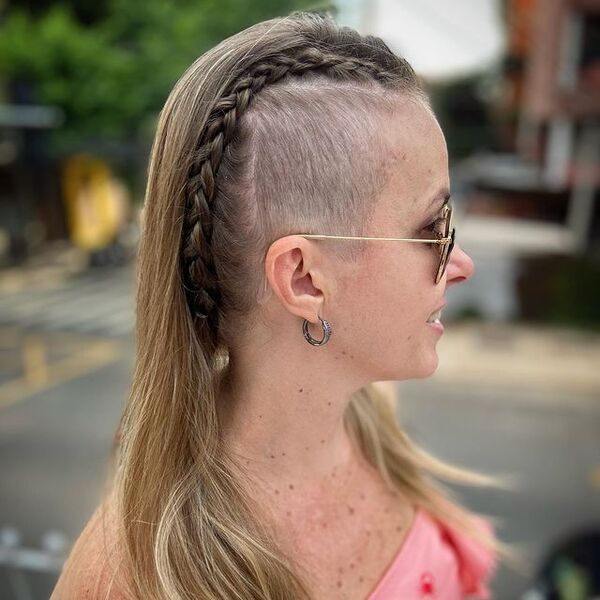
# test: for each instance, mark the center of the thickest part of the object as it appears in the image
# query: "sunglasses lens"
(446, 251)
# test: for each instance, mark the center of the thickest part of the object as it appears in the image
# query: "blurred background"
(516, 86)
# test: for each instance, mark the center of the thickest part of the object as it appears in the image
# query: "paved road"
(54, 448)
(98, 301)
(552, 448)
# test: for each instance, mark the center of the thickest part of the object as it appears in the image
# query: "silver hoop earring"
(326, 333)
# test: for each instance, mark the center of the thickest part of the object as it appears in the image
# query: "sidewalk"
(47, 270)
(529, 363)
(527, 357)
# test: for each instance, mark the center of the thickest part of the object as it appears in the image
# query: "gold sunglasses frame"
(447, 242)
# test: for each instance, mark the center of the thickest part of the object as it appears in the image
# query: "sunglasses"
(444, 232)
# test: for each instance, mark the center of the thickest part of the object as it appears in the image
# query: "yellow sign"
(95, 202)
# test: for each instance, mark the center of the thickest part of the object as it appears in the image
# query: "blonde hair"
(248, 149)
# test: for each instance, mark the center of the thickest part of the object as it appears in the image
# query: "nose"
(460, 266)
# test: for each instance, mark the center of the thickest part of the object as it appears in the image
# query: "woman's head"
(280, 129)
(297, 125)
(294, 125)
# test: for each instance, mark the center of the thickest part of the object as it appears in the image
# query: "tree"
(111, 72)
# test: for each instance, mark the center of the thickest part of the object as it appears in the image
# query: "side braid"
(199, 274)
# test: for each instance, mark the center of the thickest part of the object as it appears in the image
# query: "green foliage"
(112, 77)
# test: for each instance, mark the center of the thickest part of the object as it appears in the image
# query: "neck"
(288, 431)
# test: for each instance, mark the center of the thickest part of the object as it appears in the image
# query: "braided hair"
(337, 53)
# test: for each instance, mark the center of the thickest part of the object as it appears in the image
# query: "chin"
(421, 371)
(428, 367)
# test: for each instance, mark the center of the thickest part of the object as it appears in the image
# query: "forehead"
(417, 161)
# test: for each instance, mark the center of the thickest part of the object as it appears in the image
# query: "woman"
(257, 460)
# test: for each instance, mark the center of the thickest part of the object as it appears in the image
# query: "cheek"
(385, 299)
(398, 307)
(403, 292)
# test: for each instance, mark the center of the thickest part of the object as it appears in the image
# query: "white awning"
(441, 40)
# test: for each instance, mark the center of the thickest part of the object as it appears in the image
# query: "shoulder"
(91, 571)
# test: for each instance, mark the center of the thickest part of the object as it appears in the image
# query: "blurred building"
(29, 190)
(527, 203)
(547, 56)
(44, 197)
(552, 87)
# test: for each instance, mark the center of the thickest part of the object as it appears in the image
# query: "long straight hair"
(248, 149)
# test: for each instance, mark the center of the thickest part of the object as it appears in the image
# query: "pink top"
(437, 562)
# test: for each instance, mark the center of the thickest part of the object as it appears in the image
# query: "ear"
(294, 270)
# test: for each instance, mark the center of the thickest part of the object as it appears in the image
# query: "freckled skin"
(319, 516)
